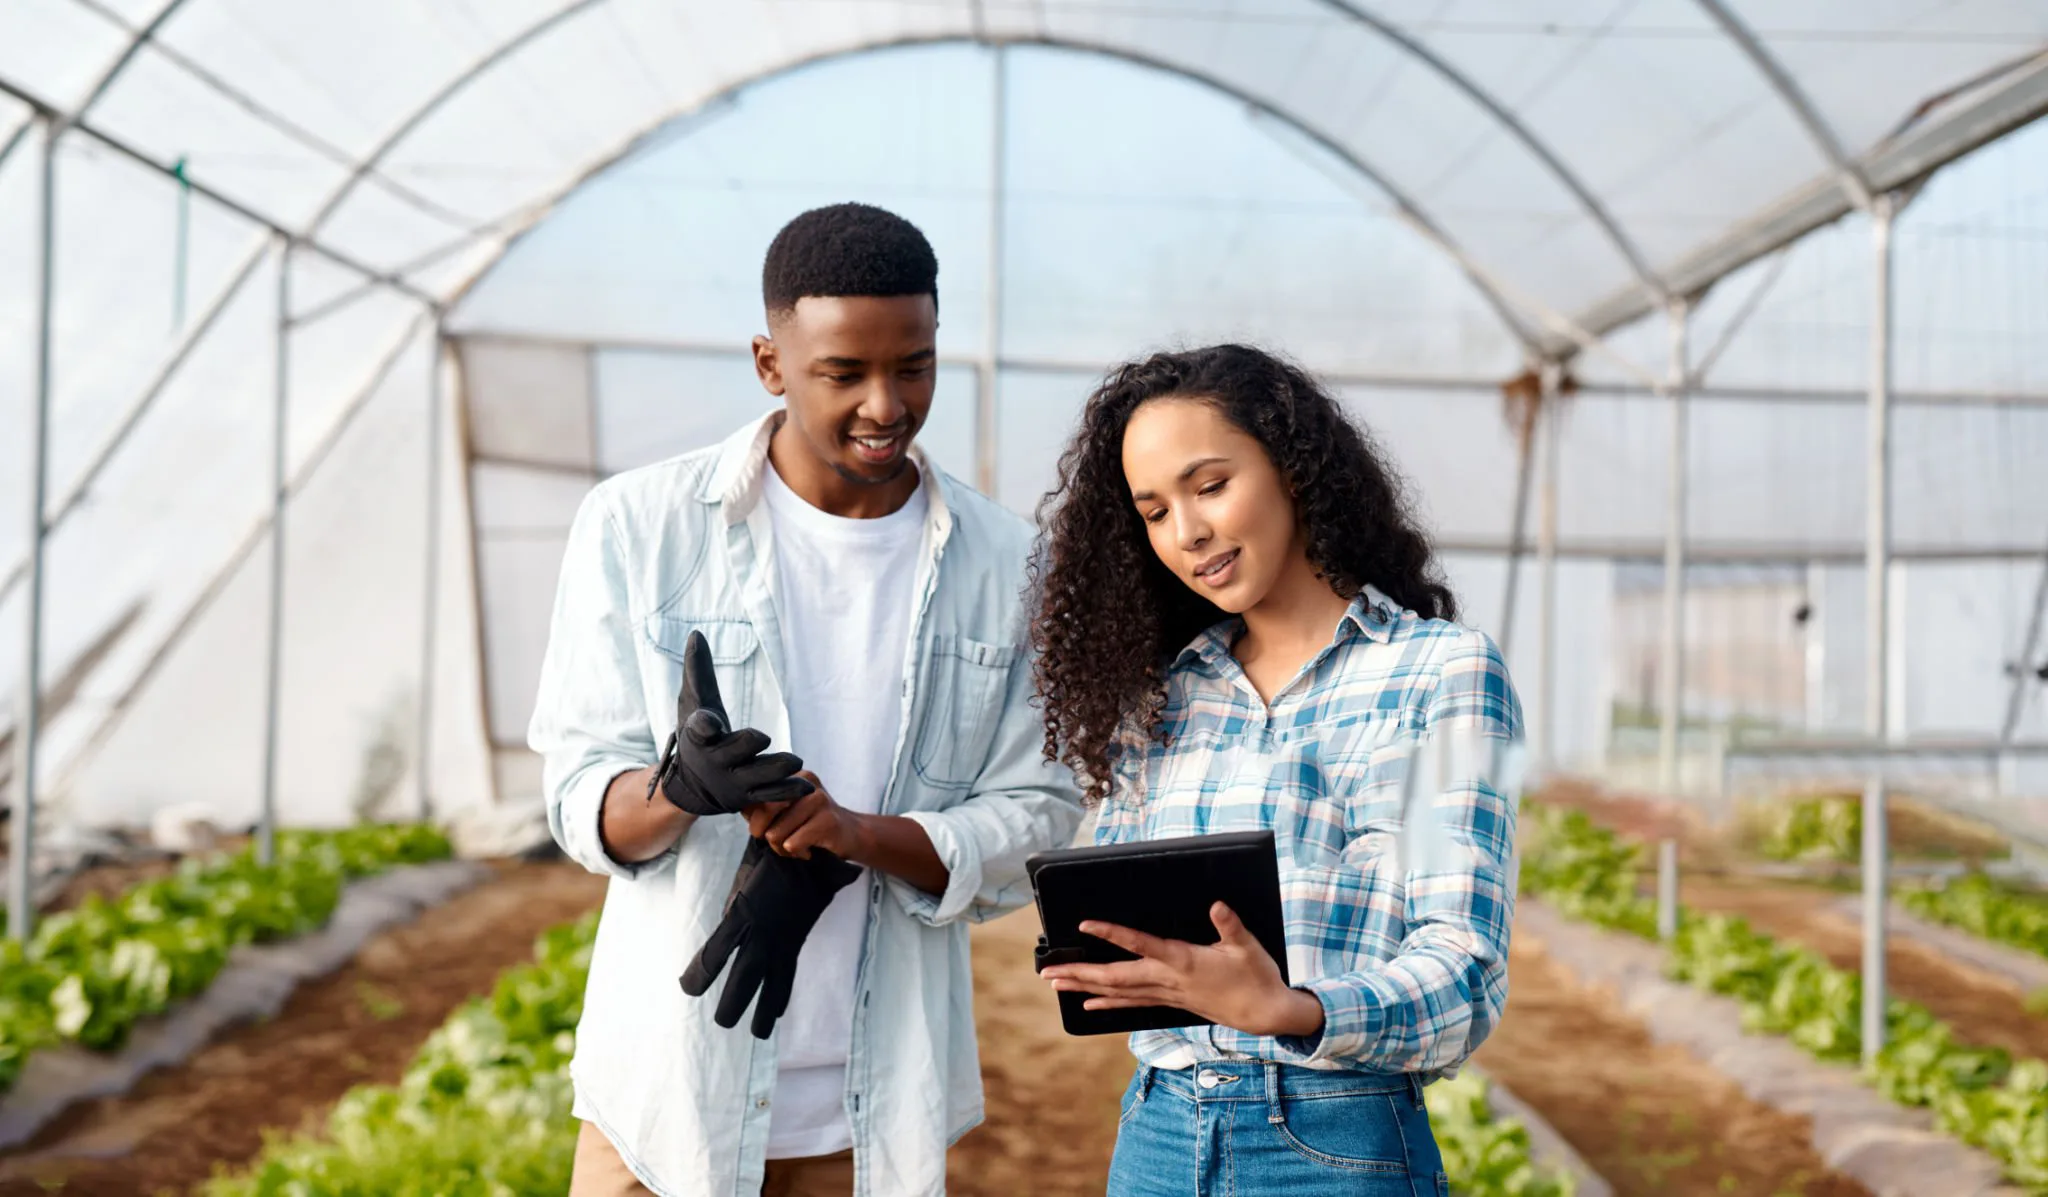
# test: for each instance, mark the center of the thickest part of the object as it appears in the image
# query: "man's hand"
(707, 769)
(812, 821)
(815, 823)
(1232, 983)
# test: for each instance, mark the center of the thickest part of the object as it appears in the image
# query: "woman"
(1240, 627)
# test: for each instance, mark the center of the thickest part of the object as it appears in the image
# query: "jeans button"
(1207, 1079)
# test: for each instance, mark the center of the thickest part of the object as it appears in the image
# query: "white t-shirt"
(843, 594)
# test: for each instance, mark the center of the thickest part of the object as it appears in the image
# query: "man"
(817, 584)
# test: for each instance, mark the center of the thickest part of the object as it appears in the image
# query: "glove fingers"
(700, 679)
(711, 958)
(765, 768)
(834, 871)
(746, 978)
(787, 790)
(739, 748)
(705, 728)
(774, 998)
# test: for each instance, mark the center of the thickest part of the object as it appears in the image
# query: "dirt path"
(362, 1023)
(1052, 1098)
(1984, 1009)
(1650, 1118)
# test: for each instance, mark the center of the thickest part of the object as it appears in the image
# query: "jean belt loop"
(1145, 1074)
(1415, 1088)
(1275, 1113)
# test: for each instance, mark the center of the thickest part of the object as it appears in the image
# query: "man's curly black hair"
(847, 249)
(1110, 617)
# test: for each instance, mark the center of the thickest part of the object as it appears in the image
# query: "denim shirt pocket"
(966, 683)
(735, 656)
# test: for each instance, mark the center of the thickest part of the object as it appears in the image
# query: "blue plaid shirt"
(1407, 950)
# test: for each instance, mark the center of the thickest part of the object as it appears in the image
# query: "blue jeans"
(1230, 1128)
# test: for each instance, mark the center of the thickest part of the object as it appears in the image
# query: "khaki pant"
(601, 1173)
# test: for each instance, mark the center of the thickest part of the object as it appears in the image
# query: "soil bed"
(360, 1024)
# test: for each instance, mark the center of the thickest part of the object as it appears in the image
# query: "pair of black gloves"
(709, 769)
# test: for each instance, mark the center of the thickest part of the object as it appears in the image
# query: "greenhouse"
(1711, 337)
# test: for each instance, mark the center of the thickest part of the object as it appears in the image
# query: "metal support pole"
(266, 828)
(2023, 665)
(21, 904)
(1525, 470)
(1672, 700)
(1667, 888)
(431, 600)
(1877, 629)
(1548, 418)
(1816, 647)
(992, 305)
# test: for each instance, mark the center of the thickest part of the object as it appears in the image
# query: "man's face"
(856, 373)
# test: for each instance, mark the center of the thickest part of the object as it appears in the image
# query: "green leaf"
(483, 1109)
(1982, 906)
(1978, 1094)
(91, 973)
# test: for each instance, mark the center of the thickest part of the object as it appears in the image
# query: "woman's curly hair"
(1110, 617)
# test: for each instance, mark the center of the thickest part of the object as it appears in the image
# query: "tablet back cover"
(1164, 888)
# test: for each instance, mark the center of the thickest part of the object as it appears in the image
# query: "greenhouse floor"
(1988, 1009)
(362, 1023)
(1648, 1117)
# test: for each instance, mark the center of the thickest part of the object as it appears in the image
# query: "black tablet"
(1161, 887)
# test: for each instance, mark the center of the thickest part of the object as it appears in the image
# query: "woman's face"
(1217, 511)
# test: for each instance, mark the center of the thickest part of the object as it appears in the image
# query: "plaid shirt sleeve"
(1441, 994)
(1120, 817)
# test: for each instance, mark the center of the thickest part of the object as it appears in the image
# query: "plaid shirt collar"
(1371, 614)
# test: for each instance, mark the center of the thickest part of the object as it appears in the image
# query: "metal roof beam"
(1793, 97)
(1905, 160)
(1653, 284)
(72, 122)
(1488, 287)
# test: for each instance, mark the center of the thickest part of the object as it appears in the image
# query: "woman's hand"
(1232, 983)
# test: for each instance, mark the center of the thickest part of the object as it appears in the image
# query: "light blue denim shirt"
(655, 553)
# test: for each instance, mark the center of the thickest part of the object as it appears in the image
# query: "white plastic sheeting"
(1576, 150)
(1290, 170)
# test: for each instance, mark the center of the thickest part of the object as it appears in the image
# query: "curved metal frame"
(1521, 133)
(434, 103)
(1596, 320)
(1790, 94)
(1408, 206)
(142, 38)
(1405, 204)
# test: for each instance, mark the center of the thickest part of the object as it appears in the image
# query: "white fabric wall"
(353, 619)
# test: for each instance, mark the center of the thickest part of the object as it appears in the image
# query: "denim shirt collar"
(734, 484)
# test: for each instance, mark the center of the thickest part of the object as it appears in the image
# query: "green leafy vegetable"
(89, 974)
(484, 1110)
(1981, 906)
(1822, 828)
(1483, 1155)
(1978, 1094)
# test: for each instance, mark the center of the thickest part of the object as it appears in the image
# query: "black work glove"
(707, 769)
(775, 902)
